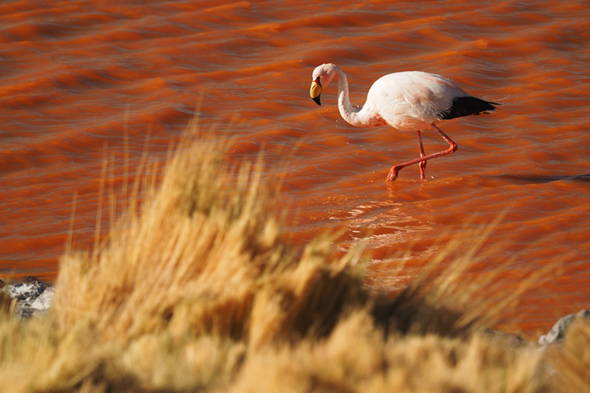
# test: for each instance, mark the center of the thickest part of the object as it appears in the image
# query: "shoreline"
(32, 298)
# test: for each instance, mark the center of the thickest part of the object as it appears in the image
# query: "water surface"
(78, 78)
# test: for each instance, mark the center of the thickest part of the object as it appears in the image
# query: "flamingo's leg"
(422, 154)
(452, 148)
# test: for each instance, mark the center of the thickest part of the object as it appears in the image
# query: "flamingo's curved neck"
(358, 117)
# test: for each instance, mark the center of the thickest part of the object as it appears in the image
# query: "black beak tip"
(317, 100)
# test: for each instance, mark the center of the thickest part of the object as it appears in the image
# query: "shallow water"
(78, 78)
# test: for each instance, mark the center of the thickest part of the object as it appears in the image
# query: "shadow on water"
(538, 179)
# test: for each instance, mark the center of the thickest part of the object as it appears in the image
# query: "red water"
(78, 78)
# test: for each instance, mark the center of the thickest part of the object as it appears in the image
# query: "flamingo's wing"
(407, 100)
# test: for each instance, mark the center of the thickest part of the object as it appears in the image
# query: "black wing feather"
(465, 106)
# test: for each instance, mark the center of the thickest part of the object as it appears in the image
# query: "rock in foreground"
(31, 297)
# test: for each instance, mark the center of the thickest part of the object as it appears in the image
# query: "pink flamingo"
(407, 101)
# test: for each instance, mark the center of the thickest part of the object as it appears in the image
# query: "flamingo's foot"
(423, 170)
(392, 175)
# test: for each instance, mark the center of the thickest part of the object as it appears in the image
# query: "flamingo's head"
(321, 76)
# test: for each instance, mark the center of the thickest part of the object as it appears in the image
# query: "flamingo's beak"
(315, 91)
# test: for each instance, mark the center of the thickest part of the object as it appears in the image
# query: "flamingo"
(406, 101)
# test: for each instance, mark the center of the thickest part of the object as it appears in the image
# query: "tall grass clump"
(194, 290)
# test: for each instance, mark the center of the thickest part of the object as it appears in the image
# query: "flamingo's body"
(406, 101)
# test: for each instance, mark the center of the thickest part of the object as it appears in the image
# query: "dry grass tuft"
(193, 290)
